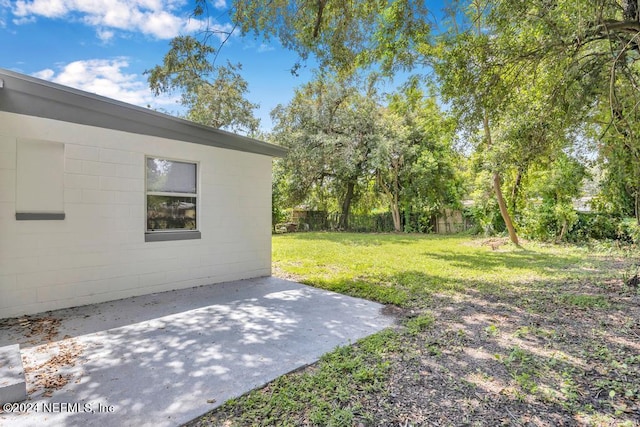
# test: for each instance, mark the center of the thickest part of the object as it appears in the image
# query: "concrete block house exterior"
(101, 200)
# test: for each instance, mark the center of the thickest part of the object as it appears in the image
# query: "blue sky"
(104, 46)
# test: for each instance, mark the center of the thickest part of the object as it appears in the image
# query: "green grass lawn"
(404, 269)
(488, 334)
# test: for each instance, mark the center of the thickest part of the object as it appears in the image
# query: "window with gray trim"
(172, 195)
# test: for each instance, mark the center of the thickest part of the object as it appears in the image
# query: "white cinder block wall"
(98, 252)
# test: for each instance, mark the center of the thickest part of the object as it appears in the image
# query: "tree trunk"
(393, 196)
(395, 204)
(503, 209)
(515, 190)
(497, 188)
(343, 224)
(496, 176)
(637, 206)
(395, 213)
(563, 231)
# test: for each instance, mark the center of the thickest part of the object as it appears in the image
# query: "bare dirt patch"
(568, 361)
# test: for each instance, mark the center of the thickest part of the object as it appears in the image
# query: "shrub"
(598, 226)
(629, 230)
(539, 222)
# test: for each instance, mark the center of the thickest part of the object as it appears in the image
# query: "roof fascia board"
(34, 97)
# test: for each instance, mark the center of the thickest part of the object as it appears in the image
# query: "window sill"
(40, 216)
(166, 236)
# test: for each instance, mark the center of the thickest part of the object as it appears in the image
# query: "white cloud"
(4, 8)
(162, 19)
(26, 20)
(163, 25)
(45, 74)
(48, 8)
(265, 48)
(251, 44)
(220, 4)
(107, 77)
(104, 35)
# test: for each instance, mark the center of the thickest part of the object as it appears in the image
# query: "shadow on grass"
(569, 363)
(548, 352)
(470, 357)
(414, 289)
(364, 239)
(508, 337)
(517, 259)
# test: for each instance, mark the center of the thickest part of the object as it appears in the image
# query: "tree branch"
(316, 29)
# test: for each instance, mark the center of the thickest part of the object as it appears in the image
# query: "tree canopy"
(213, 95)
(522, 84)
(341, 35)
(331, 130)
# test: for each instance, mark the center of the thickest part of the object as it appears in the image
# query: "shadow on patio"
(165, 358)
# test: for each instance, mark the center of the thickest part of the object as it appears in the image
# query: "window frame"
(177, 233)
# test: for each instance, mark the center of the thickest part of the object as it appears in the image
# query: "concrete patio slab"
(166, 358)
(13, 387)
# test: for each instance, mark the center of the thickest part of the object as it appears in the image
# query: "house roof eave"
(31, 96)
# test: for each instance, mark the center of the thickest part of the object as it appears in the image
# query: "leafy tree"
(414, 159)
(520, 75)
(330, 129)
(484, 209)
(213, 95)
(620, 157)
(476, 79)
(533, 129)
(391, 157)
(596, 44)
(528, 110)
(550, 194)
(341, 35)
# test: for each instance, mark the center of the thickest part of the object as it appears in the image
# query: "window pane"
(171, 213)
(171, 177)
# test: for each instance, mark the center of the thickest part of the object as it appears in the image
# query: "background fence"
(450, 222)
